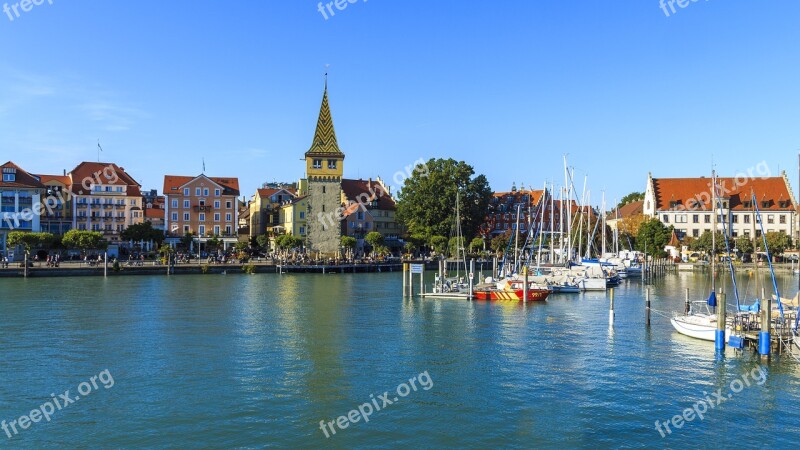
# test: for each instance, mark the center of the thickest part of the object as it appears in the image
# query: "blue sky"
(509, 87)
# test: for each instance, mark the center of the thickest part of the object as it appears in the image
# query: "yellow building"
(293, 218)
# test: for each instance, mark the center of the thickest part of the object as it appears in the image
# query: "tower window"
(331, 164)
(317, 164)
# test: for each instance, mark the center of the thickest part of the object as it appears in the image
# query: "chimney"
(65, 172)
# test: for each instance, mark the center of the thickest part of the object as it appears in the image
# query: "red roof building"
(686, 204)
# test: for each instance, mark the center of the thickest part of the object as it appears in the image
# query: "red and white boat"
(510, 290)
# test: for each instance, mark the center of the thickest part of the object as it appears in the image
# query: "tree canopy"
(703, 243)
(84, 240)
(654, 236)
(777, 242)
(744, 244)
(630, 198)
(428, 198)
(143, 232)
(28, 240)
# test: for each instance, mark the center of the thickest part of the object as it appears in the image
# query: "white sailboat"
(697, 324)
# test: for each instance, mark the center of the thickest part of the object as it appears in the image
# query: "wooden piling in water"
(611, 311)
(688, 306)
(647, 306)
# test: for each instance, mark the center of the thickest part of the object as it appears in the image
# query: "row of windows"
(696, 233)
(683, 218)
(108, 201)
(202, 229)
(317, 164)
(199, 191)
(98, 188)
(202, 202)
(99, 227)
(201, 217)
(97, 215)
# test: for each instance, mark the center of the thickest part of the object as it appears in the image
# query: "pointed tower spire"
(325, 143)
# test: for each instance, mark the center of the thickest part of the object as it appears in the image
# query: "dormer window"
(747, 204)
(317, 164)
(9, 174)
(673, 204)
(765, 204)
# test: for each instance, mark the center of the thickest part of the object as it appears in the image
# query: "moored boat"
(510, 290)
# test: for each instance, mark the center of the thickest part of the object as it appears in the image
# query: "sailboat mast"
(603, 231)
(516, 240)
(552, 222)
(561, 225)
(713, 231)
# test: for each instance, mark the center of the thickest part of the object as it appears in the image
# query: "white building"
(685, 203)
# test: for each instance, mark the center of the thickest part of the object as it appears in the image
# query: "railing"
(203, 208)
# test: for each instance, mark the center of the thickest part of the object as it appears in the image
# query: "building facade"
(19, 192)
(293, 218)
(686, 204)
(369, 207)
(323, 185)
(203, 206)
(105, 198)
(264, 209)
(56, 216)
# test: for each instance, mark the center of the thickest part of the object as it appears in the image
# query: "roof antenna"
(99, 149)
(326, 76)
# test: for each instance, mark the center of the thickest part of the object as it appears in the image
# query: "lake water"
(258, 361)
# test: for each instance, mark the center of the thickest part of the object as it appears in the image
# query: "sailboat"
(703, 324)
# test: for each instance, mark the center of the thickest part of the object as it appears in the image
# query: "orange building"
(203, 206)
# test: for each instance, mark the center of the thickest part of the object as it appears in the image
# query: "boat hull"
(696, 329)
(534, 295)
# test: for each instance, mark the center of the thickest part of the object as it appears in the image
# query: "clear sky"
(508, 86)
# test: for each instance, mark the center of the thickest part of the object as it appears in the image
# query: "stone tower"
(324, 168)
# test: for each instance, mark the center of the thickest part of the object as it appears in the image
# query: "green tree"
(29, 241)
(438, 243)
(375, 240)
(630, 198)
(263, 242)
(499, 243)
(349, 243)
(703, 243)
(143, 232)
(476, 245)
(213, 244)
(84, 240)
(654, 236)
(455, 246)
(777, 242)
(744, 244)
(241, 247)
(427, 200)
(186, 241)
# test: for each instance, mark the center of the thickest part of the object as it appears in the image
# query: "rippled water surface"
(258, 361)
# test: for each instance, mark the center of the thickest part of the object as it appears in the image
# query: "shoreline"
(75, 270)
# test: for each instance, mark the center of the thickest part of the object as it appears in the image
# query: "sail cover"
(712, 299)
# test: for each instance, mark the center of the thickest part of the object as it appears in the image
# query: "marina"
(273, 354)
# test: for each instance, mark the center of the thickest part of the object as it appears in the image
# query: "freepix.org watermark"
(668, 6)
(57, 403)
(710, 401)
(724, 188)
(376, 404)
(13, 11)
(108, 175)
(329, 9)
